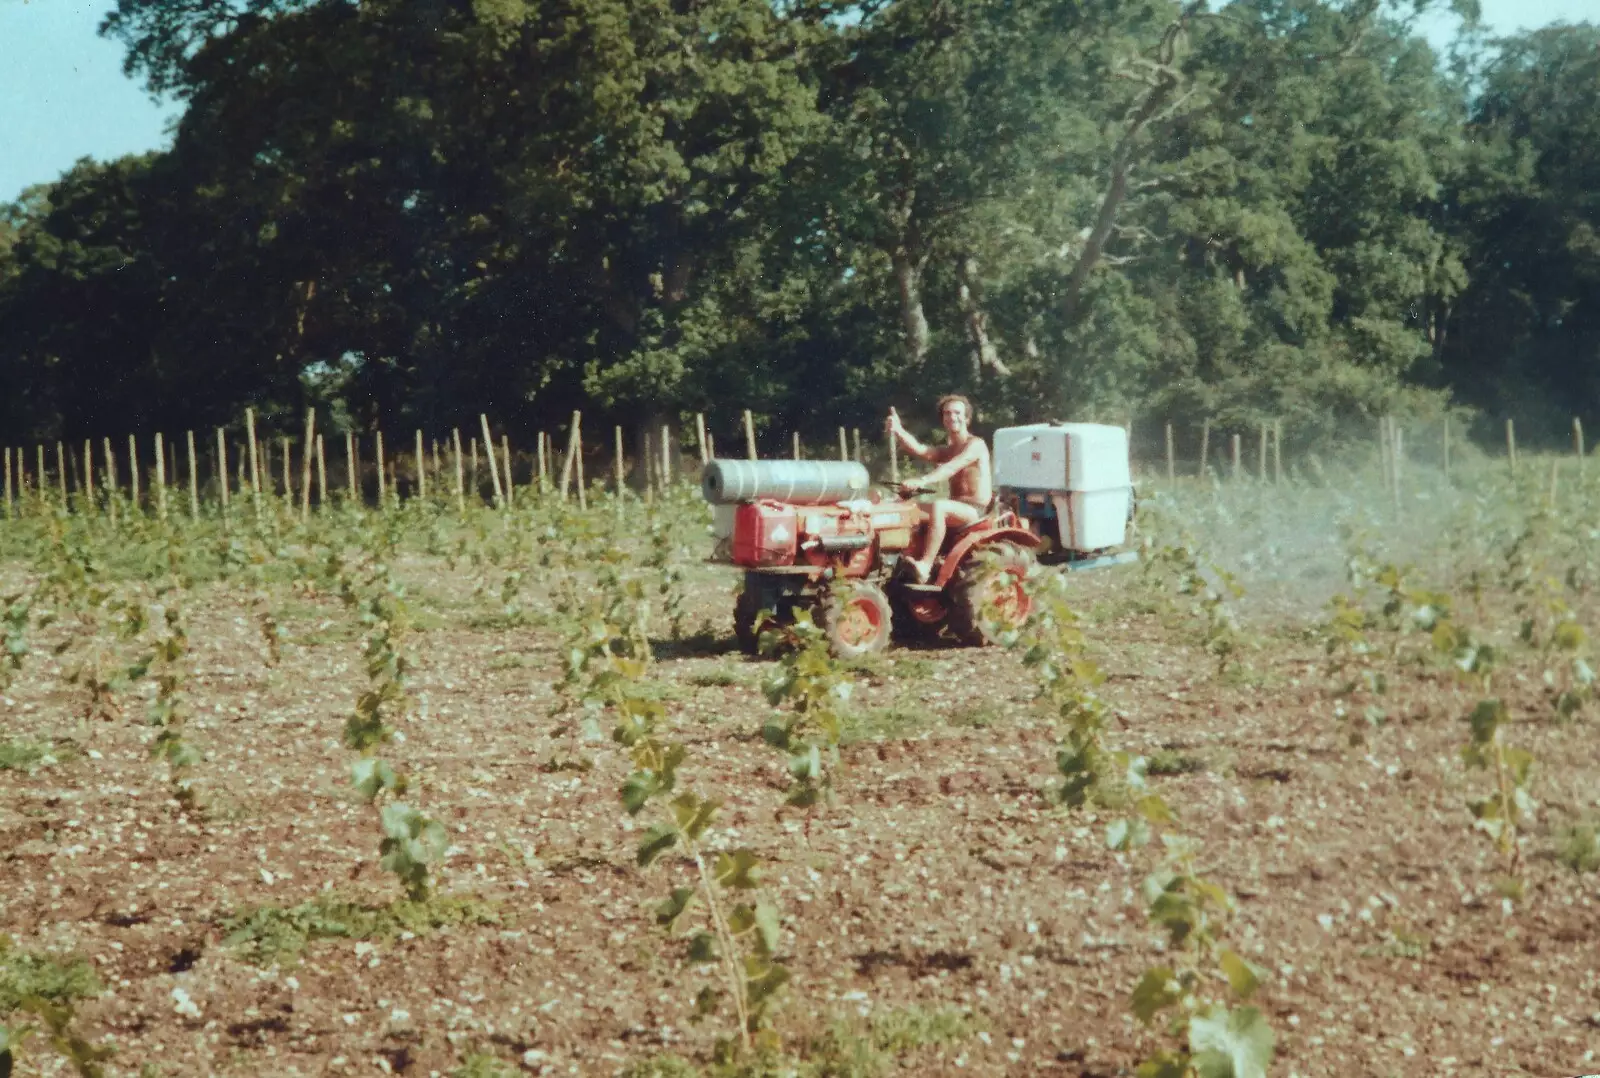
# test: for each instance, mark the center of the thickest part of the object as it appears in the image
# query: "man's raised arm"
(915, 448)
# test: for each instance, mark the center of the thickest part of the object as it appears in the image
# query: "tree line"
(409, 213)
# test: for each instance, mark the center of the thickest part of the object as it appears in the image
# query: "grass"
(1578, 847)
(25, 974)
(276, 935)
(853, 1048)
(880, 723)
(720, 677)
(23, 754)
(1169, 762)
(483, 1065)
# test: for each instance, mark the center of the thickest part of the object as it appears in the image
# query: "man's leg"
(939, 514)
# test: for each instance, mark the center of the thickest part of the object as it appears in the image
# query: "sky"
(63, 94)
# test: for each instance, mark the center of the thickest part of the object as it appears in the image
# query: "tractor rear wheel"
(856, 620)
(759, 594)
(989, 599)
(918, 618)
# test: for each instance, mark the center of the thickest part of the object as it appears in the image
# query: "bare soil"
(941, 876)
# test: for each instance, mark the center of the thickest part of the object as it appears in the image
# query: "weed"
(720, 677)
(20, 754)
(25, 975)
(483, 1065)
(276, 935)
(1578, 846)
(1170, 762)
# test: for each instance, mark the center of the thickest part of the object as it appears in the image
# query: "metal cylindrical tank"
(800, 482)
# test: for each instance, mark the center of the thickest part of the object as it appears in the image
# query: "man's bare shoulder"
(974, 447)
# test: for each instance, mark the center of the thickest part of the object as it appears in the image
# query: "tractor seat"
(990, 517)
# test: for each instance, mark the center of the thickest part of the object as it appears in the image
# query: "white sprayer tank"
(1077, 472)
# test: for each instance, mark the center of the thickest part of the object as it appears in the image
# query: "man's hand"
(893, 425)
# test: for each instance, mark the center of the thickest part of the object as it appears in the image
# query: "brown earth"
(940, 877)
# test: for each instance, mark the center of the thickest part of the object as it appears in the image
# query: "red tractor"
(839, 560)
(810, 535)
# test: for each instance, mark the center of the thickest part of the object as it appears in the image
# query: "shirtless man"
(964, 460)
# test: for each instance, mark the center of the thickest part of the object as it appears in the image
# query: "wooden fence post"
(461, 479)
(1397, 445)
(255, 466)
(700, 438)
(1511, 444)
(322, 477)
(133, 469)
(494, 470)
(1238, 465)
(545, 456)
(855, 440)
(796, 445)
(1205, 445)
(1447, 448)
(618, 471)
(8, 482)
(472, 471)
(749, 435)
(61, 474)
(577, 449)
(1172, 465)
(194, 478)
(505, 453)
(1261, 456)
(666, 457)
(222, 467)
(383, 488)
(844, 446)
(1277, 452)
(422, 469)
(161, 478)
(111, 477)
(352, 471)
(307, 451)
(88, 473)
(1577, 444)
(573, 436)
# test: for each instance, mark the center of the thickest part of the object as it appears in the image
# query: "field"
(1349, 737)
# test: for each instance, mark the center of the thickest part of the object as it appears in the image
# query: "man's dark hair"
(972, 413)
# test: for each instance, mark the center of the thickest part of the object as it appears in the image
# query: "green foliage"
(483, 1065)
(1578, 847)
(1092, 773)
(412, 842)
(22, 754)
(1210, 588)
(1221, 1040)
(84, 1057)
(275, 936)
(25, 975)
(1094, 208)
(813, 689)
(725, 923)
(169, 709)
(14, 612)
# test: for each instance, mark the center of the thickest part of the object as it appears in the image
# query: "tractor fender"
(967, 543)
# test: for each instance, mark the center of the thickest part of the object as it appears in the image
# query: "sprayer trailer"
(816, 535)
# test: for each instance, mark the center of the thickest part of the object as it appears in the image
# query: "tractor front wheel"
(856, 620)
(988, 596)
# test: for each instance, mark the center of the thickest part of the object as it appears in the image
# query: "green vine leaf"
(1230, 1044)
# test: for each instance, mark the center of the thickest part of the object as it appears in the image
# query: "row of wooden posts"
(1391, 451)
(256, 479)
(657, 462)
